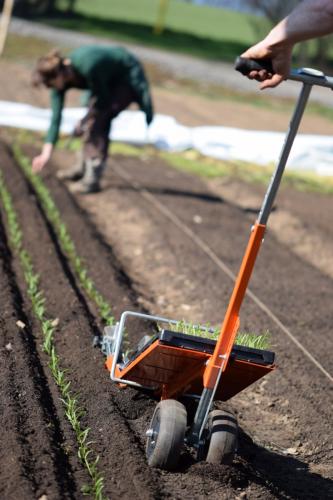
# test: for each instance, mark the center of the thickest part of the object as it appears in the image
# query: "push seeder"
(187, 373)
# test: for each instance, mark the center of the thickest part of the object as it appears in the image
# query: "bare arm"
(311, 19)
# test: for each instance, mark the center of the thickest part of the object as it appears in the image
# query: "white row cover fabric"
(310, 152)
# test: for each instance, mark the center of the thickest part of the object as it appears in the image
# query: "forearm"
(311, 19)
(47, 150)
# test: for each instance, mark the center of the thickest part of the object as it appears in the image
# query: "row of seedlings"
(73, 411)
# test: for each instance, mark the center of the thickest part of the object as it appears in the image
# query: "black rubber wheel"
(165, 436)
(223, 437)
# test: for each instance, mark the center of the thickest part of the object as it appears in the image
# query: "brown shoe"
(90, 182)
(82, 188)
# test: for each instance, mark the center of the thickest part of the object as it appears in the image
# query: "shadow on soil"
(176, 41)
(210, 198)
(207, 197)
(284, 476)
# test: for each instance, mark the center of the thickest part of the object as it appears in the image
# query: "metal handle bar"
(311, 77)
(308, 76)
(289, 140)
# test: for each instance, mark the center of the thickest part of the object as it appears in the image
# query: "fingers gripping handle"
(307, 76)
(245, 65)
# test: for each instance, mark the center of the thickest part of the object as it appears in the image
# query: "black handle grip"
(245, 65)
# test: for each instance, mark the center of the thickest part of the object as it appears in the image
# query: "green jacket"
(102, 68)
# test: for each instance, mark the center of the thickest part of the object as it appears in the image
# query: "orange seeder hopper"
(180, 369)
(172, 364)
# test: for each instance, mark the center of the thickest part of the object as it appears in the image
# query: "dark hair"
(47, 68)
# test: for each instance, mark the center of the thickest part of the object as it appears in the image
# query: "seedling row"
(70, 400)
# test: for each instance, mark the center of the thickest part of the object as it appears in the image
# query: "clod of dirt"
(55, 322)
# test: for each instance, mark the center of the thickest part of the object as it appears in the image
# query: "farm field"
(69, 263)
(140, 260)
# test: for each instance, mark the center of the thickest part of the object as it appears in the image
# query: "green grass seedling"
(246, 339)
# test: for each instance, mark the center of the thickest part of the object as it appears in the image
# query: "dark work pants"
(97, 123)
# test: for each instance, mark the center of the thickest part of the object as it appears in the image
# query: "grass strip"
(73, 411)
(65, 240)
(193, 162)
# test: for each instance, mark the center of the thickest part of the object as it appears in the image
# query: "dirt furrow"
(33, 458)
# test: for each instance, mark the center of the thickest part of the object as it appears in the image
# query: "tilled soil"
(140, 260)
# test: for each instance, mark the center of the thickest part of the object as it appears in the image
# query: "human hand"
(280, 58)
(39, 162)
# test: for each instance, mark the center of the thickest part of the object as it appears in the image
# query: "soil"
(162, 241)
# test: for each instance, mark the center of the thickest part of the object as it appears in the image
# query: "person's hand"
(280, 58)
(39, 162)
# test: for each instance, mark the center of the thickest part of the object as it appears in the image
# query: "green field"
(206, 22)
(202, 31)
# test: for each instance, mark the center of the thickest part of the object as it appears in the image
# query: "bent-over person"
(114, 79)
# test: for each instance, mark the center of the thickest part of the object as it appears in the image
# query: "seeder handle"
(245, 65)
(309, 76)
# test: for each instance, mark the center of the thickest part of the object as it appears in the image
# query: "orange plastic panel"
(161, 364)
